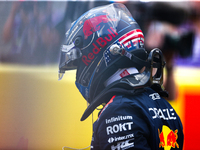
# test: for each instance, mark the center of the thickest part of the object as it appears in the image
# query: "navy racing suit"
(144, 121)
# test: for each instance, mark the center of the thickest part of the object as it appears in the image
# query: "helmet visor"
(69, 55)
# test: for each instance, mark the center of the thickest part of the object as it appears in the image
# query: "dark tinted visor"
(69, 55)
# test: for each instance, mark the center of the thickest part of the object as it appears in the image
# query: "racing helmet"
(101, 41)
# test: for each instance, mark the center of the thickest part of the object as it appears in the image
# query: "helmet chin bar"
(147, 78)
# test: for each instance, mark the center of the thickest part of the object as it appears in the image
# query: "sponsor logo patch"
(119, 128)
(120, 138)
(168, 138)
(165, 114)
(123, 145)
(154, 96)
(118, 118)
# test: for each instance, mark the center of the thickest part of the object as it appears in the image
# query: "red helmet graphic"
(94, 24)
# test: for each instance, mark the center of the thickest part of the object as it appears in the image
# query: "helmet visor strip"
(69, 53)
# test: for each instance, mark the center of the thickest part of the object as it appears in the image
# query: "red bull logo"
(94, 24)
(101, 42)
(168, 138)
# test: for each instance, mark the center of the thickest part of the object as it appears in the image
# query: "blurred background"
(38, 112)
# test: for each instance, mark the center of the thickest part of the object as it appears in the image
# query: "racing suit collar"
(105, 96)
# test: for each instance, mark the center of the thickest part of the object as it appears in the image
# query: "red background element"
(192, 118)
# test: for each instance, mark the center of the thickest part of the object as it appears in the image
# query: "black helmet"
(100, 42)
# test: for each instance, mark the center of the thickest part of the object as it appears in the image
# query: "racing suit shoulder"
(115, 128)
(135, 122)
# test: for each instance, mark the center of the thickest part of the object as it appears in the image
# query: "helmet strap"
(120, 73)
